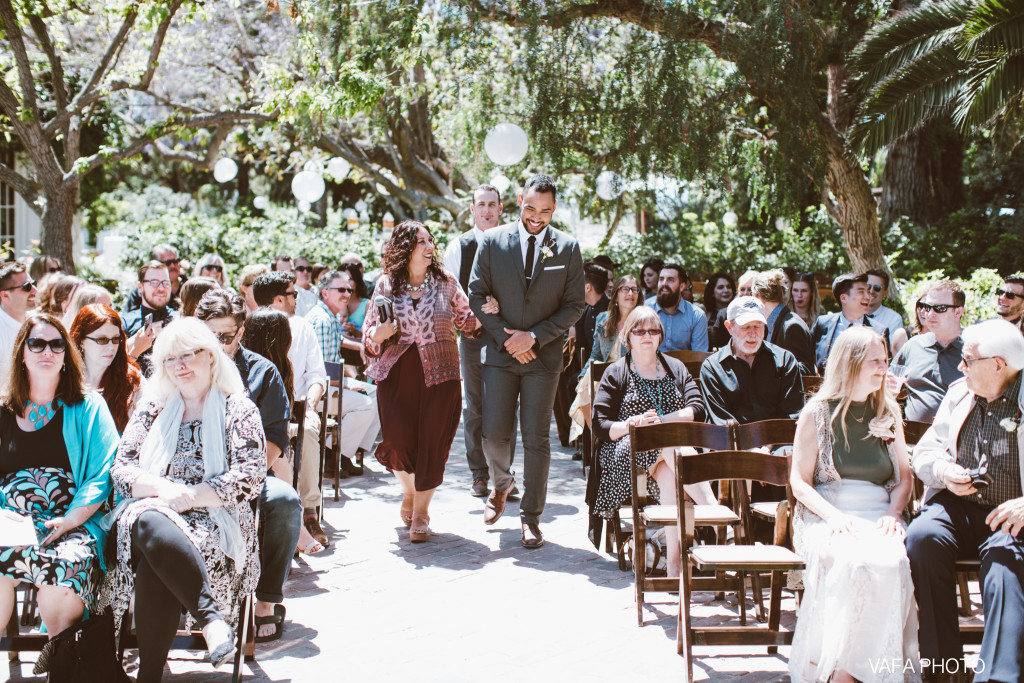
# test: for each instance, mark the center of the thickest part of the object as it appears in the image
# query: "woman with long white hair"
(851, 478)
(192, 459)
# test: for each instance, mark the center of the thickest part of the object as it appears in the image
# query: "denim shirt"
(686, 329)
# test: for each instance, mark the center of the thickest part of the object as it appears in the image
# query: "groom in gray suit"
(536, 274)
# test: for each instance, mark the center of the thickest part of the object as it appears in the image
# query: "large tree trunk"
(58, 219)
(923, 176)
(848, 195)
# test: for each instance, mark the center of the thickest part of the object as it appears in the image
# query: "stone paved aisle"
(472, 604)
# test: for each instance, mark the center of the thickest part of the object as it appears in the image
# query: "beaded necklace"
(38, 414)
(655, 397)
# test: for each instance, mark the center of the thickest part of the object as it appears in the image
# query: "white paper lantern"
(730, 219)
(361, 206)
(609, 185)
(304, 206)
(501, 183)
(261, 202)
(308, 186)
(338, 168)
(506, 144)
(225, 170)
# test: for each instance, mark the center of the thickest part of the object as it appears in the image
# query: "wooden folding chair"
(751, 436)
(646, 516)
(811, 384)
(336, 379)
(14, 641)
(299, 417)
(616, 536)
(689, 356)
(738, 466)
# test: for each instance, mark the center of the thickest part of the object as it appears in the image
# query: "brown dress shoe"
(532, 537)
(313, 527)
(496, 504)
(480, 487)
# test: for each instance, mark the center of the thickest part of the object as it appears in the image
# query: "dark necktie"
(529, 256)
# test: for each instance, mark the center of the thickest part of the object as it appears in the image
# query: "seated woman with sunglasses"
(644, 387)
(213, 267)
(99, 337)
(57, 444)
(192, 460)
(608, 346)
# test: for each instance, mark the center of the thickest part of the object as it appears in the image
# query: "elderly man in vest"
(970, 460)
(458, 260)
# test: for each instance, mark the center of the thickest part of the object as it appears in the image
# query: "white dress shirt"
(9, 328)
(305, 301)
(306, 357)
(453, 252)
(888, 318)
(524, 243)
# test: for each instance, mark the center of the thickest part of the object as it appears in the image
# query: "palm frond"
(907, 28)
(1006, 36)
(989, 91)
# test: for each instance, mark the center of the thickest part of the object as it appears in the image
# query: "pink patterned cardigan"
(431, 325)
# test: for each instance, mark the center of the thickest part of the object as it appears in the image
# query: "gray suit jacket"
(548, 307)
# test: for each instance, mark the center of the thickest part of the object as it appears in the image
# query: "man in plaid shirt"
(976, 431)
(360, 422)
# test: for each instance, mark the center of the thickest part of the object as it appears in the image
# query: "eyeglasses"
(938, 308)
(157, 284)
(1009, 295)
(36, 345)
(184, 359)
(637, 332)
(25, 286)
(339, 289)
(219, 269)
(226, 339)
(630, 290)
(302, 269)
(171, 262)
(875, 288)
(968, 361)
(294, 293)
(103, 341)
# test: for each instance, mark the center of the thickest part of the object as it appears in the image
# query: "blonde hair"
(183, 335)
(639, 316)
(842, 372)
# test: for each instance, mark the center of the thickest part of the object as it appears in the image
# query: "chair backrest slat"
(688, 356)
(764, 433)
(913, 431)
(677, 434)
(731, 464)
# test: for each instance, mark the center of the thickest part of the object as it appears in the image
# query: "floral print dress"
(36, 480)
(237, 488)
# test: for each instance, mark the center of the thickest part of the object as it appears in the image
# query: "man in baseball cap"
(749, 379)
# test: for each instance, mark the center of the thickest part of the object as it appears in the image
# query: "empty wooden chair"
(739, 466)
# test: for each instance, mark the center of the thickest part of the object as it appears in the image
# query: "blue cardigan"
(91, 439)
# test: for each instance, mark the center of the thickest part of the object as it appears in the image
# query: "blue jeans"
(282, 517)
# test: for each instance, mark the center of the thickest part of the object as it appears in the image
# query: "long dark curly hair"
(398, 251)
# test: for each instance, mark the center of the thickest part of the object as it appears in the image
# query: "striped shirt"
(328, 331)
(984, 434)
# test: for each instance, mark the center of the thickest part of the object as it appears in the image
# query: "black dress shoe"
(349, 467)
(480, 488)
(532, 537)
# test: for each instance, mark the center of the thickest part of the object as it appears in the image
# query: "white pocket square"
(554, 267)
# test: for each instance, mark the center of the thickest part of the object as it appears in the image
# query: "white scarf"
(161, 443)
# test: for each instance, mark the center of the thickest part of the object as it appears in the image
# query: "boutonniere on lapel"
(546, 250)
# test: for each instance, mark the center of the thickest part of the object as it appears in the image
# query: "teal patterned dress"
(36, 480)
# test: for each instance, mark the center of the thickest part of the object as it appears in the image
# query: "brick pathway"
(472, 604)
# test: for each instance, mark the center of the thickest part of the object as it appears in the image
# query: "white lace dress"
(858, 612)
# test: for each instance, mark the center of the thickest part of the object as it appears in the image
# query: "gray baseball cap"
(746, 309)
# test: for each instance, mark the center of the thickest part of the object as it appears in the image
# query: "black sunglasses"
(340, 289)
(25, 286)
(171, 262)
(219, 269)
(302, 269)
(1002, 292)
(103, 341)
(875, 288)
(36, 345)
(938, 308)
(226, 339)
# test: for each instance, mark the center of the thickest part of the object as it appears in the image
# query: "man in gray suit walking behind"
(536, 274)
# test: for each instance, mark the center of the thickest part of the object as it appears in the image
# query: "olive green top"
(867, 457)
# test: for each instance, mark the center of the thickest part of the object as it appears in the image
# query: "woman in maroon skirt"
(415, 361)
